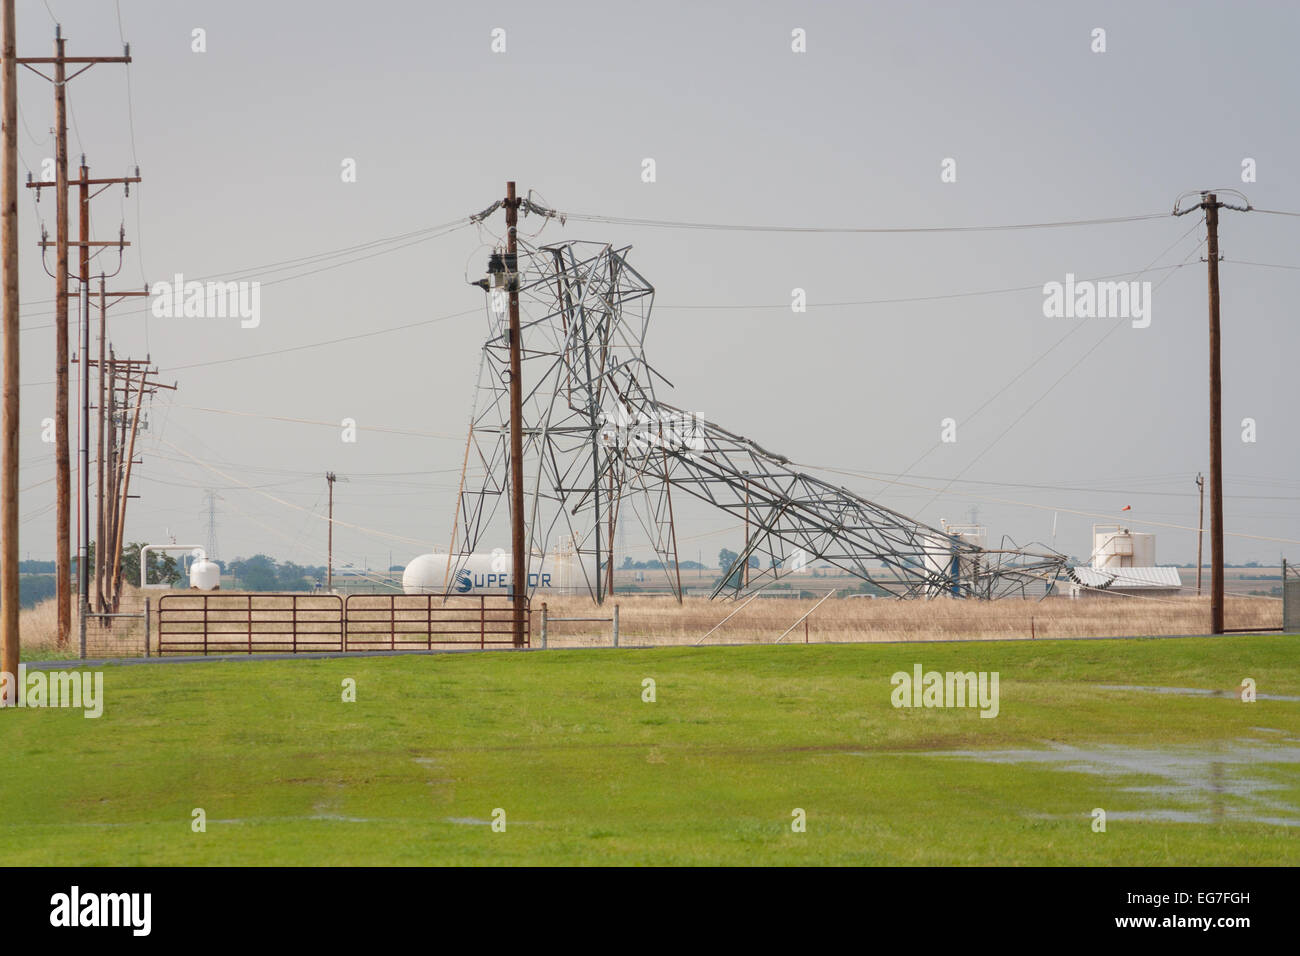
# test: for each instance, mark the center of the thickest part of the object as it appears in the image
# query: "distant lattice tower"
(212, 497)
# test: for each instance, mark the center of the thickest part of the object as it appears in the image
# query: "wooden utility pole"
(110, 462)
(84, 243)
(330, 478)
(1200, 530)
(63, 472)
(137, 381)
(99, 457)
(519, 556)
(62, 467)
(1211, 207)
(83, 416)
(126, 487)
(9, 253)
(105, 533)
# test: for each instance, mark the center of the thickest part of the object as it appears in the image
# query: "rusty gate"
(208, 623)
(211, 623)
(411, 621)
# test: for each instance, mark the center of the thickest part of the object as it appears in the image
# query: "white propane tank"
(485, 574)
(424, 575)
(205, 575)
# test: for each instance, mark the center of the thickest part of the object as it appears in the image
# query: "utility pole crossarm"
(117, 243)
(43, 184)
(81, 60)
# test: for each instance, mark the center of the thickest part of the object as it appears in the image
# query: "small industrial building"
(1123, 562)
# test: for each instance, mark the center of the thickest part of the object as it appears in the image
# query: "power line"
(424, 235)
(1038, 287)
(1265, 265)
(846, 230)
(1051, 388)
(1052, 348)
(307, 345)
(316, 345)
(1135, 522)
(384, 429)
(289, 504)
(1075, 488)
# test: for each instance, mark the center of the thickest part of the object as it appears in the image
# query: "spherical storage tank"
(205, 575)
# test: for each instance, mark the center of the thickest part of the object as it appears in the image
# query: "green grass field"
(588, 773)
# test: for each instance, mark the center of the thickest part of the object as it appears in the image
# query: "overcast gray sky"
(241, 149)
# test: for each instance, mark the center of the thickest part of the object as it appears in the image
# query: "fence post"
(428, 621)
(343, 626)
(482, 622)
(543, 625)
(616, 625)
(146, 627)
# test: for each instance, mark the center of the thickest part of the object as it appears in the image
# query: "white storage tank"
(205, 575)
(1114, 546)
(487, 574)
(940, 552)
(1144, 550)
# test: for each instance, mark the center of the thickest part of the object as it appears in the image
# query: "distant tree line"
(655, 564)
(262, 572)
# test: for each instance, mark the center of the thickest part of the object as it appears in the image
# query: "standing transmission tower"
(212, 497)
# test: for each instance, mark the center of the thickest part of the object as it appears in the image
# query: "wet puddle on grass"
(1238, 781)
(1191, 692)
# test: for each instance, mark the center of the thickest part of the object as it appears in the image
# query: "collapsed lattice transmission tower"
(599, 446)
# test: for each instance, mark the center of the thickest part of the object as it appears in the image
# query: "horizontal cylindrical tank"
(205, 575)
(488, 574)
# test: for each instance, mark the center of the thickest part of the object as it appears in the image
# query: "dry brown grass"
(38, 627)
(659, 620)
(647, 620)
(119, 637)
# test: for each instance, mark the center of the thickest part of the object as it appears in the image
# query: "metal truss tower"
(600, 448)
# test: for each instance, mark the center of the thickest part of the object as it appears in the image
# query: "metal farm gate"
(412, 621)
(209, 623)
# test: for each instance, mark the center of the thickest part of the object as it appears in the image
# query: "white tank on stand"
(205, 575)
